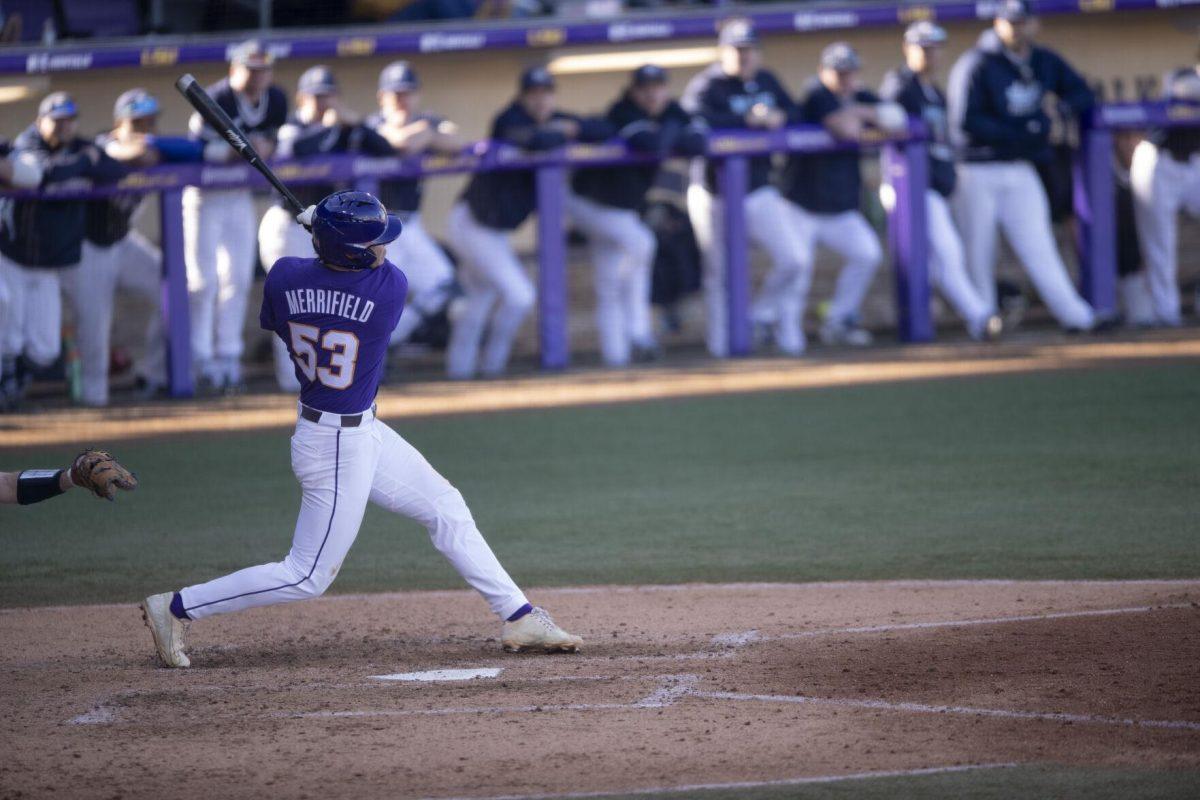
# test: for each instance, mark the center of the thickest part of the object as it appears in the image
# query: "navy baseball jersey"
(922, 98)
(825, 183)
(402, 196)
(336, 325)
(723, 101)
(298, 139)
(265, 117)
(1180, 86)
(672, 131)
(998, 101)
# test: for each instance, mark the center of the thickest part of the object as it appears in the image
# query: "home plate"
(435, 675)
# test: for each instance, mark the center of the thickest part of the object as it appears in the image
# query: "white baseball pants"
(280, 235)
(219, 232)
(430, 275)
(340, 470)
(132, 264)
(772, 226)
(622, 248)
(850, 236)
(1009, 195)
(948, 268)
(499, 295)
(1162, 187)
(33, 324)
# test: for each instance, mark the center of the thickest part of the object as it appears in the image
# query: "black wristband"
(36, 485)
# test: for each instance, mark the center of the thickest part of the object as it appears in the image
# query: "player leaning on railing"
(606, 205)
(41, 241)
(411, 131)
(737, 92)
(498, 292)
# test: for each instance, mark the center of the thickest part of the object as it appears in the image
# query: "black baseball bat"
(219, 121)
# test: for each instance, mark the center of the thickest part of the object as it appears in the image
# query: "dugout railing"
(904, 174)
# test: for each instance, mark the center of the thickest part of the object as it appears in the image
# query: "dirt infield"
(680, 685)
(835, 368)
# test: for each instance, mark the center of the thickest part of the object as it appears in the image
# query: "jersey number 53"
(343, 349)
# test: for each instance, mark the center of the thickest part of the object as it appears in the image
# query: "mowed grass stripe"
(1073, 475)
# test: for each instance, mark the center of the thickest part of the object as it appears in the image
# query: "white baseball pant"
(948, 268)
(850, 236)
(219, 233)
(772, 226)
(340, 470)
(1162, 187)
(132, 264)
(622, 248)
(499, 295)
(280, 235)
(5, 308)
(33, 325)
(429, 272)
(1010, 195)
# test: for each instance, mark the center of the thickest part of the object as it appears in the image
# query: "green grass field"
(1055, 475)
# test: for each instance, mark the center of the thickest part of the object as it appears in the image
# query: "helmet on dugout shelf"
(345, 225)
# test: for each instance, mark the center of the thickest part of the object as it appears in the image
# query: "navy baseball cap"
(649, 73)
(317, 80)
(251, 54)
(840, 57)
(58, 105)
(925, 34)
(398, 76)
(135, 104)
(1013, 10)
(738, 33)
(536, 78)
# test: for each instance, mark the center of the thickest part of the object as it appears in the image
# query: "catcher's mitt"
(99, 472)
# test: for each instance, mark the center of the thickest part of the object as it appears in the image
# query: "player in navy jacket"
(498, 292)
(116, 255)
(220, 227)
(607, 203)
(826, 188)
(41, 240)
(736, 92)
(914, 86)
(320, 125)
(996, 110)
(1165, 178)
(412, 131)
(336, 312)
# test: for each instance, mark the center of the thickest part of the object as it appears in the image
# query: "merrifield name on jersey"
(333, 302)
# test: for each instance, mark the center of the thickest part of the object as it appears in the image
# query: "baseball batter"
(736, 92)
(606, 205)
(826, 188)
(914, 87)
(321, 124)
(498, 292)
(337, 313)
(220, 226)
(995, 101)
(412, 131)
(1165, 178)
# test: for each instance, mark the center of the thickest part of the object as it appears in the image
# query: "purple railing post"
(176, 315)
(733, 176)
(906, 171)
(552, 266)
(1095, 212)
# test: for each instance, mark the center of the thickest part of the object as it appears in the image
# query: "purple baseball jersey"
(336, 325)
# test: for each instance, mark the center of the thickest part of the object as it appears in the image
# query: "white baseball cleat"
(166, 628)
(537, 631)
